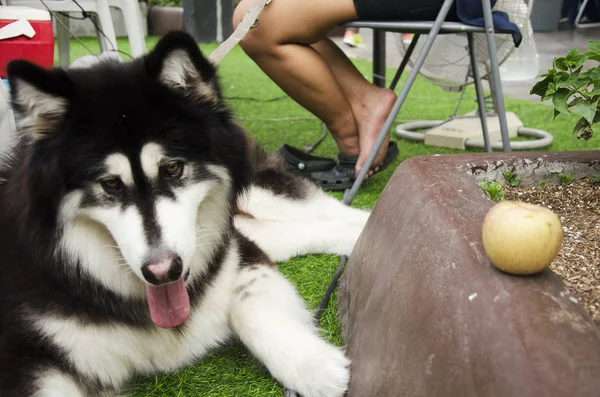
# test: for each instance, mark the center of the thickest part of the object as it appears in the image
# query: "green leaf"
(559, 100)
(594, 74)
(550, 72)
(575, 59)
(566, 179)
(541, 87)
(574, 102)
(572, 105)
(578, 63)
(581, 124)
(585, 76)
(561, 63)
(573, 54)
(594, 45)
(551, 91)
(595, 91)
(588, 110)
(556, 113)
(560, 77)
(593, 56)
(567, 80)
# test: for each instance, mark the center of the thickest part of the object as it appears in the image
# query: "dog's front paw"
(323, 372)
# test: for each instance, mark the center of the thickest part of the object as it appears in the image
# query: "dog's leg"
(285, 227)
(311, 204)
(271, 319)
(57, 384)
(284, 240)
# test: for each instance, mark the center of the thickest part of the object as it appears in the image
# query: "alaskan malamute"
(140, 226)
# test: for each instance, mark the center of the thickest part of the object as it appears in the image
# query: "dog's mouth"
(169, 303)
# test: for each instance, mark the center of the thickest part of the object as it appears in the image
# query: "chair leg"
(578, 23)
(498, 94)
(479, 92)
(379, 57)
(349, 194)
(405, 59)
(106, 24)
(102, 42)
(63, 38)
(133, 24)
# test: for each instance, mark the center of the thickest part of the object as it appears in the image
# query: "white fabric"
(7, 120)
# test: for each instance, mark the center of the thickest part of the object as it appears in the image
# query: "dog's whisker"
(202, 245)
(208, 235)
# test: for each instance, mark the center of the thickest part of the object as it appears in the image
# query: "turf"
(274, 119)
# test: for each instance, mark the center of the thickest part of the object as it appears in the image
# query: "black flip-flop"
(303, 163)
(341, 177)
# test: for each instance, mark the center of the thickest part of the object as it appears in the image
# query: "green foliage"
(493, 190)
(542, 185)
(572, 90)
(512, 179)
(566, 179)
(166, 3)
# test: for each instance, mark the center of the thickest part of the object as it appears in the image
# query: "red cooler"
(25, 33)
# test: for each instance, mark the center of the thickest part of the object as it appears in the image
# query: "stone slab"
(424, 313)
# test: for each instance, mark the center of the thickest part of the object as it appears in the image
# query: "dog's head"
(135, 165)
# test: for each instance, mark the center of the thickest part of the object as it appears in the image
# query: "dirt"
(578, 207)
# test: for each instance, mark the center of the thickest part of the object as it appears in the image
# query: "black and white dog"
(139, 230)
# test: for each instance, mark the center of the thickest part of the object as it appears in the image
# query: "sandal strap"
(304, 162)
(346, 160)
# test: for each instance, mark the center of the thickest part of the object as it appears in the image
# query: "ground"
(274, 119)
(578, 207)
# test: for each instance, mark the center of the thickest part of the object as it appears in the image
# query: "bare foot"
(344, 130)
(371, 113)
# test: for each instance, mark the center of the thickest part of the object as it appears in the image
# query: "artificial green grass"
(231, 371)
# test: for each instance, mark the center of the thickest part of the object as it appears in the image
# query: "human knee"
(257, 40)
(240, 11)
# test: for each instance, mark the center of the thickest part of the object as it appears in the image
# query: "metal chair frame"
(432, 29)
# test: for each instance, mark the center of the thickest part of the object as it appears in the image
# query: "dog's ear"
(39, 97)
(177, 62)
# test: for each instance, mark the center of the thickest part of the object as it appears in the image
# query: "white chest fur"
(112, 353)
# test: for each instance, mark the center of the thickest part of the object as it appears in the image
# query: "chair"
(433, 28)
(102, 19)
(579, 16)
(133, 24)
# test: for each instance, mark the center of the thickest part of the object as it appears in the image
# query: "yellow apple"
(521, 238)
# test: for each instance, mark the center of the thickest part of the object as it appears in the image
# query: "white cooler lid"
(16, 12)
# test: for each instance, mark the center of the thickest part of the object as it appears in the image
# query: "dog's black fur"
(104, 111)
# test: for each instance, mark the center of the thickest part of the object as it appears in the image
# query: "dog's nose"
(163, 271)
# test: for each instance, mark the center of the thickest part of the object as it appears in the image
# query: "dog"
(140, 229)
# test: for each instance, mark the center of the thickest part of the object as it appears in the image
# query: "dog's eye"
(173, 168)
(111, 185)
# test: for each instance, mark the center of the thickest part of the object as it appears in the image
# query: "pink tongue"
(169, 303)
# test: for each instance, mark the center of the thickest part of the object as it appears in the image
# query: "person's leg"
(281, 47)
(370, 104)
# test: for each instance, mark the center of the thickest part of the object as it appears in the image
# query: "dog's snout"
(163, 271)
